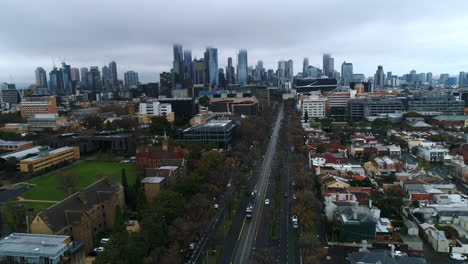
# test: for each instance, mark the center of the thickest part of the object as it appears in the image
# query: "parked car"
(267, 201)
(97, 251)
(294, 218)
(457, 256)
(216, 206)
(399, 253)
(192, 245)
(104, 240)
(294, 196)
(295, 225)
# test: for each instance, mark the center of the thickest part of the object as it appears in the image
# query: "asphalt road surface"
(249, 229)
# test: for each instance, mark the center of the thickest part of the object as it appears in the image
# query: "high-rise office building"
(66, 73)
(242, 66)
(462, 79)
(289, 69)
(178, 63)
(113, 75)
(282, 70)
(230, 72)
(131, 79)
(305, 67)
(188, 65)
(55, 81)
(379, 78)
(211, 66)
(328, 65)
(199, 71)
(422, 77)
(75, 74)
(41, 78)
(259, 71)
(84, 74)
(94, 80)
(429, 77)
(389, 75)
(443, 78)
(106, 78)
(347, 73)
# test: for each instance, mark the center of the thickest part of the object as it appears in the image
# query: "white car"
(399, 253)
(216, 206)
(267, 201)
(104, 240)
(295, 225)
(457, 256)
(294, 218)
(98, 250)
(192, 245)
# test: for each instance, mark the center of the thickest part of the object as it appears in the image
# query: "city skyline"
(136, 43)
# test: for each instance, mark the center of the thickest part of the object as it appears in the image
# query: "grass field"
(8, 209)
(48, 187)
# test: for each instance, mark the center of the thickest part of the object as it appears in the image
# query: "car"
(457, 256)
(130, 223)
(228, 185)
(216, 206)
(293, 183)
(192, 245)
(104, 240)
(267, 201)
(399, 253)
(294, 218)
(294, 196)
(97, 251)
(295, 225)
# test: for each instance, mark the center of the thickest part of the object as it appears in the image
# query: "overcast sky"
(401, 35)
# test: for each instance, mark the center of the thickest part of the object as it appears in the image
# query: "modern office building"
(199, 71)
(442, 104)
(188, 65)
(178, 63)
(10, 95)
(328, 66)
(211, 67)
(46, 121)
(346, 73)
(289, 73)
(379, 78)
(242, 65)
(315, 107)
(47, 158)
(75, 74)
(20, 248)
(152, 109)
(55, 81)
(131, 79)
(66, 78)
(305, 67)
(94, 83)
(38, 105)
(364, 108)
(41, 78)
(462, 80)
(219, 132)
(281, 73)
(429, 78)
(230, 72)
(113, 75)
(184, 108)
(84, 74)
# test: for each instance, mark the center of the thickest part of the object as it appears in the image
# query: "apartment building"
(152, 109)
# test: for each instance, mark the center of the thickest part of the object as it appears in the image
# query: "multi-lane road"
(250, 227)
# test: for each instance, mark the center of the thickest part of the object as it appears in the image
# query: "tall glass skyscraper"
(113, 75)
(178, 64)
(211, 62)
(305, 66)
(188, 65)
(346, 73)
(242, 67)
(41, 78)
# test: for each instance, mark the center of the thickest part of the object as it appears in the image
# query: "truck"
(249, 210)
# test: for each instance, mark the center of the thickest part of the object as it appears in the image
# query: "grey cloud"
(400, 34)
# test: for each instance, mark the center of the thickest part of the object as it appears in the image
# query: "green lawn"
(11, 218)
(47, 187)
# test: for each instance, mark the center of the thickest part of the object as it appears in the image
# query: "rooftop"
(153, 180)
(22, 153)
(21, 244)
(55, 151)
(13, 143)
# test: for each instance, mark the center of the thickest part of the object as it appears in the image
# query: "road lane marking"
(242, 228)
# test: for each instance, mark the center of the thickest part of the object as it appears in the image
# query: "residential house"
(433, 153)
(437, 240)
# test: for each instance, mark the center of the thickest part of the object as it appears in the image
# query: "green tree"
(125, 187)
(160, 126)
(204, 101)
(119, 223)
(411, 114)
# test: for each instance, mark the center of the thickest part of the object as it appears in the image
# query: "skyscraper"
(211, 66)
(178, 64)
(188, 65)
(106, 78)
(41, 78)
(66, 78)
(259, 71)
(346, 73)
(94, 80)
(379, 78)
(75, 74)
(429, 77)
(281, 69)
(305, 67)
(462, 79)
(131, 79)
(328, 65)
(242, 65)
(55, 81)
(289, 69)
(113, 75)
(199, 71)
(84, 74)
(230, 72)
